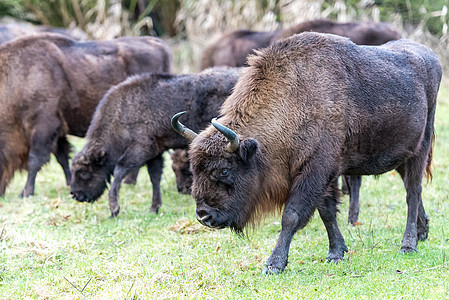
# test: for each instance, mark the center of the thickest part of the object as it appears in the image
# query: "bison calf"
(308, 109)
(50, 86)
(131, 128)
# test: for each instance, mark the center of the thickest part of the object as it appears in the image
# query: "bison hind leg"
(417, 221)
(328, 213)
(354, 183)
(41, 146)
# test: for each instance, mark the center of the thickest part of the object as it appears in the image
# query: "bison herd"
(272, 121)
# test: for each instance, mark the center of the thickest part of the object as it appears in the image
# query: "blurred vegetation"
(160, 16)
(191, 24)
(431, 14)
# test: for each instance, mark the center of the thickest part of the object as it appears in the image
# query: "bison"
(232, 49)
(308, 109)
(131, 128)
(50, 86)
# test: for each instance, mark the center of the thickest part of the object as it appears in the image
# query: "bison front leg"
(292, 220)
(155, 167)
(304, 198)
(131, 160)
(119, 174)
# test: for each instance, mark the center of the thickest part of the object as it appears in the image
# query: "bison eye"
(224, 173)
(83, 174)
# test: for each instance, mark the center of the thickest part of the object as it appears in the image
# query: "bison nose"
(180, 189)
(77, 196)
(204, 217)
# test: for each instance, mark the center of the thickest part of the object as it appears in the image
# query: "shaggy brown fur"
(50, 86)
(308, 109)
(131, 128)
(233, 48)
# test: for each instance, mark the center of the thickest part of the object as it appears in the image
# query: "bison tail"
(428, 172)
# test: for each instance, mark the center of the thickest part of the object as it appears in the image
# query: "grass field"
(52, 247)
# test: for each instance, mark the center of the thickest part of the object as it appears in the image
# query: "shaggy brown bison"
(131, 128)
(308, 109)
(232, 49)
(50, 86)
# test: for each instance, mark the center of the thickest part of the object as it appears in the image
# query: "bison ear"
(249, 149)
(99, 157)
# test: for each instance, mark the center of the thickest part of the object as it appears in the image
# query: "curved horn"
(181, 129)
(234, 141)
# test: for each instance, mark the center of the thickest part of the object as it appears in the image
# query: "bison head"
(89, 176)
(227, 176)
(181, 168)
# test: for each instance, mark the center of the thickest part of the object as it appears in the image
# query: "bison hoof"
(24, 194)
(154, 210)
(270, 270)
(336, 255)
(353, 220)
(408, 249)
(114, 214)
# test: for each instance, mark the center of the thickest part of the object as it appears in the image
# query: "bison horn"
(181, 129)
(229, 134)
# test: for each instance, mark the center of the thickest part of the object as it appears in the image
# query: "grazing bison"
(308, 109)
(131, 128)
(232, 49)
(50, 86)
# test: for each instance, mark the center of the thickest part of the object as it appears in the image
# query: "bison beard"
(308, 109)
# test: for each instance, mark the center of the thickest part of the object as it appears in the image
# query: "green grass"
(49, 240)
